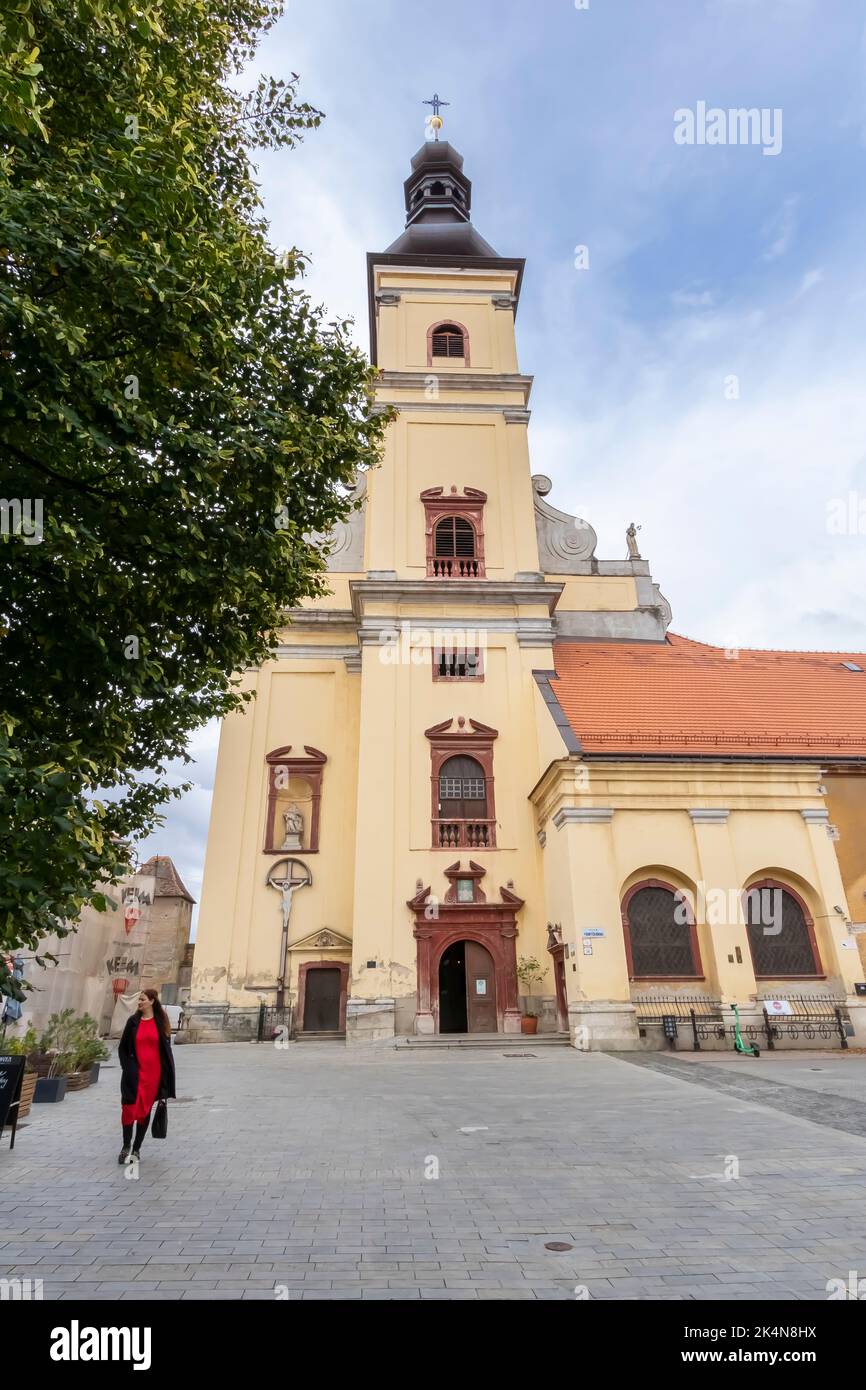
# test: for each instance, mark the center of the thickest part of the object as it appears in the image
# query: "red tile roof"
(680, 696)
(168, 881)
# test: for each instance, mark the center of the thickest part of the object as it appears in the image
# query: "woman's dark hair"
(159, 1013)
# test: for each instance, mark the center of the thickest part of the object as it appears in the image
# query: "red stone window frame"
(465, 359)
(470, 657)
(475, 742)
(818, 973)
(697, 972)
(309, 768)
(473, 875)
(469, 505)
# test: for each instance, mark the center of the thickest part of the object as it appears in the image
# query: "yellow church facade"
(485, 747)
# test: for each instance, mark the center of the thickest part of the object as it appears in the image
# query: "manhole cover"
(557, 1245)
(509, 1055)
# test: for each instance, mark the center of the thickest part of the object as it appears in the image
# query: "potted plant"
(529, 973)
(23, 1047)
(85, 1050)
(52, 1088)
(55, 1057)
(90, 1052)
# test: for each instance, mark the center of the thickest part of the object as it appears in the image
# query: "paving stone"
(613, 1158)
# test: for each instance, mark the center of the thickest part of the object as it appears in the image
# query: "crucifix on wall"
(287, 876)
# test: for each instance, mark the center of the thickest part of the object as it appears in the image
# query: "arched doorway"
(467, 989)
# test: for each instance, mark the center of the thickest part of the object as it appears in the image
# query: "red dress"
(149, 1073)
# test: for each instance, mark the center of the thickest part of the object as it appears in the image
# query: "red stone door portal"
(556, 947)
(467, 966)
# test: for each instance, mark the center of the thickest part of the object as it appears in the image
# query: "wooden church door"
(480, 989)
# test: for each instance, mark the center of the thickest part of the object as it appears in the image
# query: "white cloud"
(810, 280)
(781, 229)
(693, 299)
(183, 835)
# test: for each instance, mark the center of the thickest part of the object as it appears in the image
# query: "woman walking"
(147, 1070)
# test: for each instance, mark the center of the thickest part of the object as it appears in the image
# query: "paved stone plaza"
(313, 1168)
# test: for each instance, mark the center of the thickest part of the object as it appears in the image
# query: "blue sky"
(705, 263)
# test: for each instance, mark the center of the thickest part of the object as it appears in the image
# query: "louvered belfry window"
(448, 341)
(660, 934)
(455, 536)
(779, 936)
(454, 532)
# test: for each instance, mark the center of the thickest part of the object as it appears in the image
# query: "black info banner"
(678, 1336)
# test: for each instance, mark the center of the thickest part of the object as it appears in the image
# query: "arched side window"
(781, 932)
(449, 341)
(660, 938)
(461, 774)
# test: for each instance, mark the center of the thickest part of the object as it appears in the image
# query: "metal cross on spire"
(435, 121)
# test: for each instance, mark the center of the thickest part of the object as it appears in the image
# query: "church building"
(485, 748)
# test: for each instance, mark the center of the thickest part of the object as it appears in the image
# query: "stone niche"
(294, 800)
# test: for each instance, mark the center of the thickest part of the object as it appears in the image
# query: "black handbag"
(159, 1128)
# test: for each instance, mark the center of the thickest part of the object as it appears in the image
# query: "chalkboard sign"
(11, 1074)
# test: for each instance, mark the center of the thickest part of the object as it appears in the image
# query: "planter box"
(28, 1086)
(77, 1080)
(529, 1024)
(94, 1073)
(49, 1090)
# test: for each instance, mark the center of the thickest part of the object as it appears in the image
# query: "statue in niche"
(293, 820)
(631, 541)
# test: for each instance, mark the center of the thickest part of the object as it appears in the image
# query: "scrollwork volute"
(563, 540)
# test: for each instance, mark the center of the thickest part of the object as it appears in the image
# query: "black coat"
(129, 1063)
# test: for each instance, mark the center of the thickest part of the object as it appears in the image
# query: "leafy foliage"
(172, 401)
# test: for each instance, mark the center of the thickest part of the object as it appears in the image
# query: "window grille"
(779, 936)
(660, 935)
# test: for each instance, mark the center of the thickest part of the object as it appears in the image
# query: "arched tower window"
(463, 813)
(781, 933)
(454, 531)
(454, 548)
(660, 937)
(449, 341)
(462, 789)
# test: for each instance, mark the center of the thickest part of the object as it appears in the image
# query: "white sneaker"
(134, 1158)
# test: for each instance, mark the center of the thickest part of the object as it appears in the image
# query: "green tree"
(176, 417)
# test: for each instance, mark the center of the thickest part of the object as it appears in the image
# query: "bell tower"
(453, 616)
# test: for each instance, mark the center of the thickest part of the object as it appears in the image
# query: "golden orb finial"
(435, 122)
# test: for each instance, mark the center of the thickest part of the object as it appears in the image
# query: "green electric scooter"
(740, 1045)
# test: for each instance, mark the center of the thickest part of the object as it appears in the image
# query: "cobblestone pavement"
(313, 1170)
(829, 1103)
